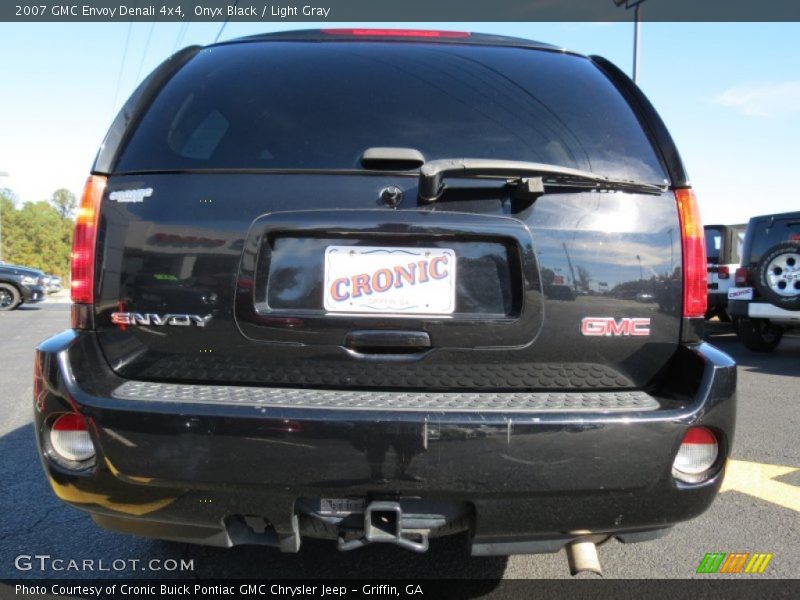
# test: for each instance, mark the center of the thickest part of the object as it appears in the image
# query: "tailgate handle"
(384, 341)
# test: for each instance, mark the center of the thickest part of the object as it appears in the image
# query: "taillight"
(740, 276)
(83, 243)
(694, 254)
(696, 456)
(70, 439)
(723, 272)
(417, 33)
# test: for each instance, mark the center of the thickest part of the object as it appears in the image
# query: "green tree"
(64, 202)
(35, 235)
(9, 195)
(584, 279)
(8, 201)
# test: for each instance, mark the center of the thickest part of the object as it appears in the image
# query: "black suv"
(19, 285)
(319, 288)
(765, 301)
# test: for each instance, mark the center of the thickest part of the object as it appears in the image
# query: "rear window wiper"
(530, 178)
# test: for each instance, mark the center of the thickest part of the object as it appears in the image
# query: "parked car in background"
(19, 285)
(723, 249)
(309, 300)
(765, 301)
(53, 284)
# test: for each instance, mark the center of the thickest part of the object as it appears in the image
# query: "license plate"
(372, 279)
(740, 293)
(340, 506)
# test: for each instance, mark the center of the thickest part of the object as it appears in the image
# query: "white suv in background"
(723, 249)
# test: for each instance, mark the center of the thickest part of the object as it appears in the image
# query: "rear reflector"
(83, 243)
(740, 277)
(417, 33)
(697, 454)
(70, 422)
(694, 255)
(723, 272)
(69, 438)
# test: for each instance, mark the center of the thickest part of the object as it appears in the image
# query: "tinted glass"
(738, 242)
(767, 233)
(713, 244)
(278, 105)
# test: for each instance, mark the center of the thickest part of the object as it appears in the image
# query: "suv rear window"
(738, 245)
(724, 244)
(766, 233)
(298, 105)
(713, 244)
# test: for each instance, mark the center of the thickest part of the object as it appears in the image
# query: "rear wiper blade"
(530, 177)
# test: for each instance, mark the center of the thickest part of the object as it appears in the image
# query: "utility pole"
(2, 174)
(634, 4)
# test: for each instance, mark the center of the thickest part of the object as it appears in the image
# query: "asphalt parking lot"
(758, 510)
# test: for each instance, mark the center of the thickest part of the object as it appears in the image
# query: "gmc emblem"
(612, 326)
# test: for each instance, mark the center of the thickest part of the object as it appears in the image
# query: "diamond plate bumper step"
(613, 402)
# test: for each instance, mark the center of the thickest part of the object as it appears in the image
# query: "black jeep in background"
(383, 286)
(19, 285)
(765, 301)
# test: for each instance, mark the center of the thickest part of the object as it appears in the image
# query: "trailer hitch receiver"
(383, 523)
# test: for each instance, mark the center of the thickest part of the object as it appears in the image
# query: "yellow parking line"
(758, 480)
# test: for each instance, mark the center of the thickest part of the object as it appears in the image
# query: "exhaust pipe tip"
(582, 557)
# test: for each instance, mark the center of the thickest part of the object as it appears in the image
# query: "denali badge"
(612, 326)
(127, 318)
(131, 196)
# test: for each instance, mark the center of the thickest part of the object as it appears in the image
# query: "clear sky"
(729, 93)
